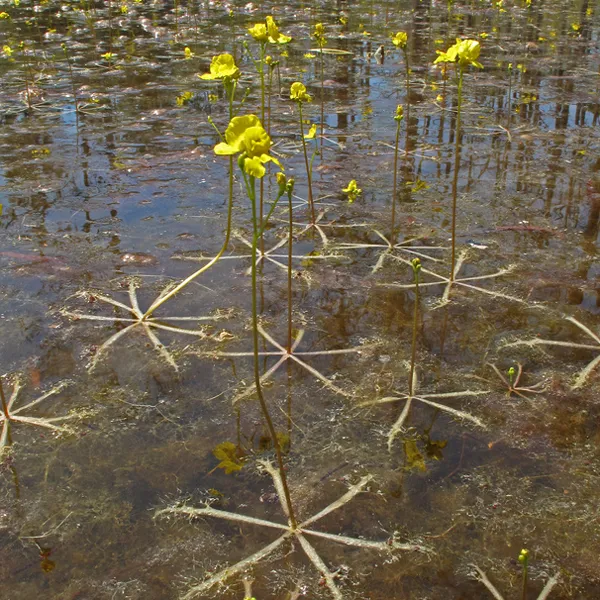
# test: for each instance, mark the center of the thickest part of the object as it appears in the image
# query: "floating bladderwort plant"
(300, 96)
(398, 117)
(463, 54)
(222, 69)
(512, 382)
(246, 137)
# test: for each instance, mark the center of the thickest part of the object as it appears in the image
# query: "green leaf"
(414, 459)
(230, 458)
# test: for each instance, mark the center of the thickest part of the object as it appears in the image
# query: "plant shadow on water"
(435, 417)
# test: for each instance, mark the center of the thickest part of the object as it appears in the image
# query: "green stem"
(457, 149)
(413, 356)
(394, 189)
(4, 404)
(524, 586)
(161, 300)
(250, 188)
(322, 97)
(263, 46)
(289, 273)
(311, 203)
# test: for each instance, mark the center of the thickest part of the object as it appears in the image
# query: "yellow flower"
(400, 39)
(222, 67)
(309, 55)
(188, 53)
(275, 37)
(7, 50)
(352, 190)
(464, 52)
(399, 113)
(312, 132)
(298, 93)
(259, 32)
(246, 136)
(319, 34)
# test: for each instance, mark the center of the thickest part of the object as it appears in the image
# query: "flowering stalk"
(398, 118)
(246, 137)
(319, 35)
(416, 267)
(462, 54)
(299, 94)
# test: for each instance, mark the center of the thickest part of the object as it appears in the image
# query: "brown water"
(128, 193)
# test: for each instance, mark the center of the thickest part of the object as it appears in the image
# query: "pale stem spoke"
(488, 584)
(455, 394)
(54, 390)
(584, 328)
(4, 435)
(397, 426)
(239, 567)
(160, 346)
(134, 301)
(549, 586)
(585, 373)
(42, 422)
(321, 567)
(264, 377)
(208, 511)
(174, 329)
(491, 293)
(541, 342)
(353, 491)
(116, 303)
(98, 317)
(278, 486)
(110, 341)
(15, 393)
(357, 542)
(453, 411)
(321, 377)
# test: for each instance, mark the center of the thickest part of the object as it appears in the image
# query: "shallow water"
(128, 194)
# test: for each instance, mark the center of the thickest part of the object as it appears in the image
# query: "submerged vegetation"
(374, 383)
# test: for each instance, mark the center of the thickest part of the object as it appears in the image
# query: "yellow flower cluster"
(464, 52)
(247, 137)
(298, 93)
(222, 67)
(268, 32)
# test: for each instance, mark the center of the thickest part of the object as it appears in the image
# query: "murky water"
(106, 206)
